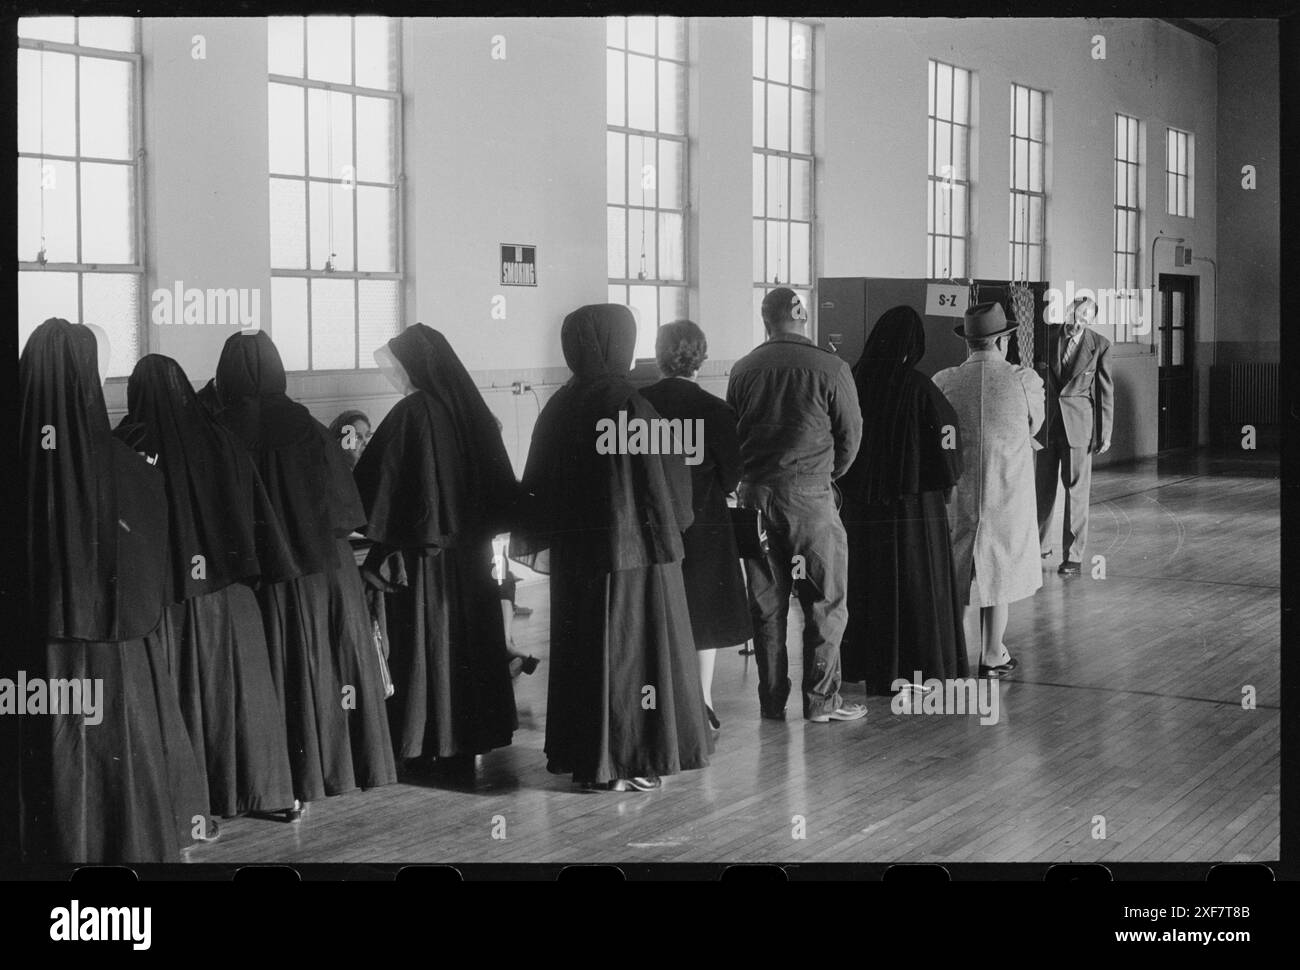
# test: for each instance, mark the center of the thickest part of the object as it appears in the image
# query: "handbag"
(751, 534)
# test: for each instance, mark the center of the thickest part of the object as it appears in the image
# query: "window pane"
(943, 149)
(672, 98)
(333, 325)
(760, 250)
(378, 316)
(1021, 118)
(376, 52)
(615, 28)
(1035, 219)
(778, 249)
(778, 49)
(801, 122)
(759, 183)
(958, 264)
(644, 302)
(760, 113)
(778, 187)
(760, 46)
(1020, 166)
(1035, 166)
(112, 301)
(614, 88)
(42, 295)
(329, 132)
(56, 183)
(758, 333)
(107, 213)
(284, 46)
(800, 253)
(288, 224)
(672, 38)
(1171, 194)
(801, 55)
(958, 209)
(615, 166)
(331, 226)
(943, 92)
(642, 173)
(1132, 185)
(375, 139)
(778, 117)
(1037, 115)
(618, 294)
(960, 150)
(106, 108)
(672, 304)
(46, 109)
(929, 205)
(801, 189)
(329, 49)
(961, 96)
(641, 34)
(672, 263)
(107, 33)
(616, 242)
(285, 128)
(671, 175)
(640, 92)
(289, 320)
(376, 229)
(58, 29)
(641, 249)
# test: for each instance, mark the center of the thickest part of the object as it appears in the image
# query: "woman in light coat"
(994, 512)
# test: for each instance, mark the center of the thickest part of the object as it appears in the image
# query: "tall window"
(1028, 192)
(79, 224)
(1128, 214)
(646, 170)
(948, 199)
(783, 158)
(334, 113)
(1179, 146)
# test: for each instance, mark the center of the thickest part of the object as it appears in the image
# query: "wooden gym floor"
(1127, 706)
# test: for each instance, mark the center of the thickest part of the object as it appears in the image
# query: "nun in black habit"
(437, 486)
(905, 613)
(118, 783)
(624, 705)
(223, 537)
(324, 662)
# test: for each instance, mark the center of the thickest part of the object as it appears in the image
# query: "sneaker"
(845, 712)
(635, 784)
(1069, 568)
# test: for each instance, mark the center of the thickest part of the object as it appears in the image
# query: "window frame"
(1185, 140)
(398, 186)
(765, 152)
(1122, 333)
(1029, 194)
(627, 132)
(935, 180)
(136, 161)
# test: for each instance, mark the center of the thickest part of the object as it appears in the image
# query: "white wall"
(512, 150)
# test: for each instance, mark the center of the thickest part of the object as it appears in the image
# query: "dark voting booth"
(849, 306)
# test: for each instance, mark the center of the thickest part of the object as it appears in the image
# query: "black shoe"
(713, 718)
(649, 783)
(773, 715)
(1001, 670)
(747, 651)
(1069, 568)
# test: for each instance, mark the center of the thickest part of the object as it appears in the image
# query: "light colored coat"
(994, 511)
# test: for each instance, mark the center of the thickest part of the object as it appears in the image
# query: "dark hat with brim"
(984, 320)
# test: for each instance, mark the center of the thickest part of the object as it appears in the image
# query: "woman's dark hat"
(984, 320)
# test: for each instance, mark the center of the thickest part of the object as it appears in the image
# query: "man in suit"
(1080, 412)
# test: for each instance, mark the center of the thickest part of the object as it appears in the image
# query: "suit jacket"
(994, 510)
(1080, 402)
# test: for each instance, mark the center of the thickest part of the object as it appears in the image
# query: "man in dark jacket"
(1080, 413)
(800, 427)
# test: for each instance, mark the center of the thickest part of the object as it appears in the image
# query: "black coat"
(715, 586)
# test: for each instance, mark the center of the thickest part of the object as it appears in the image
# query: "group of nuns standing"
(196, 560)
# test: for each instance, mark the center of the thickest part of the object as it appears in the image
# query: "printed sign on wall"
(944, 300)
(518, 265)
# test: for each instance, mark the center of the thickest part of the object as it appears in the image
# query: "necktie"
(1067, 352)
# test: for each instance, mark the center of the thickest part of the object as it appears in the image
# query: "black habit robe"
(715, 583)
(127, 788)
(905, 612)
(437, 485)
(624, 698)
(221, 532)
(323, 658)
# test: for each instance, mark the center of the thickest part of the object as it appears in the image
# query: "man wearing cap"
(799, 425)
(1080, 410)
(995, 530)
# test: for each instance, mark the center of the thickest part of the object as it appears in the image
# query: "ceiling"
(1210, 28)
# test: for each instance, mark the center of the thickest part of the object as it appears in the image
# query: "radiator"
(1245, 394)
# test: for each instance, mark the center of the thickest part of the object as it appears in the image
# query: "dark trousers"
(1074, 467)
(809, 553)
